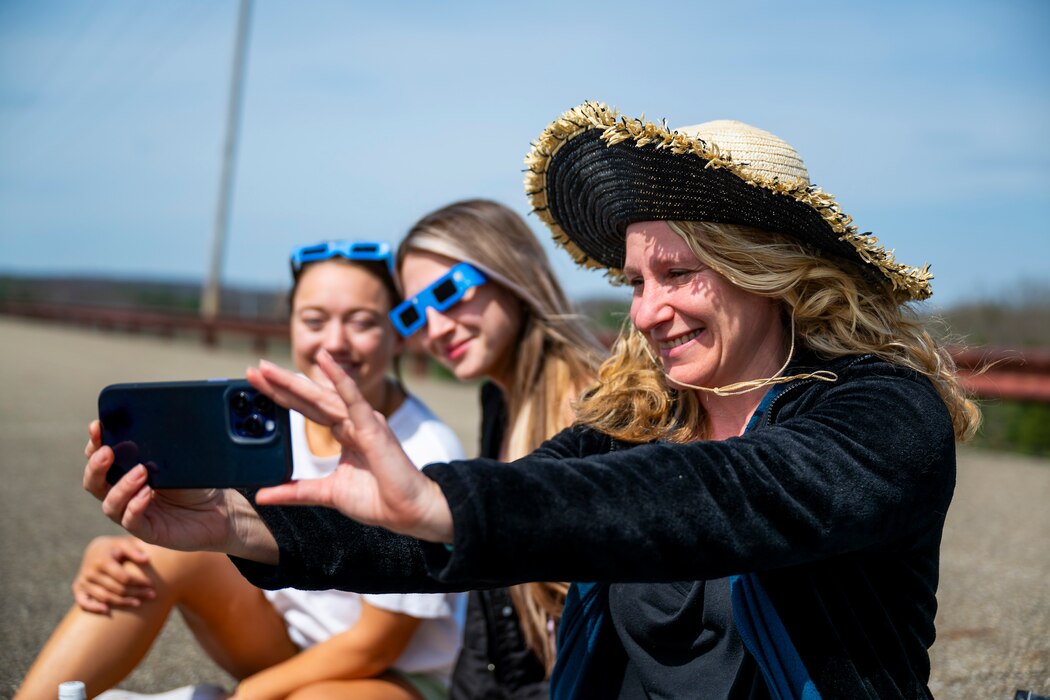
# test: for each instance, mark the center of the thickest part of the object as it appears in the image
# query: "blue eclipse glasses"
(411, 314)
(351, 250)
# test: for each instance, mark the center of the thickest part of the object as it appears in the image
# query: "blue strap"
(767, 640)
(582, 633)
(761, 628)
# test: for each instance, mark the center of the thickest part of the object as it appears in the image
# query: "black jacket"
(495, 663)
(837, 500)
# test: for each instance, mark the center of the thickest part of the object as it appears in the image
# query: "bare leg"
(232, 619)
(385, 687)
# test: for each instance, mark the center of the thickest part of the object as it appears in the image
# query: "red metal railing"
(1005, 374)
(165, 324)
(987, 373)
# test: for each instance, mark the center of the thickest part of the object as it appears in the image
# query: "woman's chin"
(465, 370)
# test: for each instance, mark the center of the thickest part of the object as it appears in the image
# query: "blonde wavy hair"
(835, 311)
(556, 355)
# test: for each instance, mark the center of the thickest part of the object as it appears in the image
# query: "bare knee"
(385, 687)
(320, 691)
(180, 570)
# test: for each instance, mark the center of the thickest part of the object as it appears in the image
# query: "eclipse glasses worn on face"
(411, 314)
(351, 250)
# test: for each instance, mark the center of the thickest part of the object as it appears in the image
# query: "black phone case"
(184, 433)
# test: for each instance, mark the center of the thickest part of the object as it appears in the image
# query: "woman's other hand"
(219, 520)
(375, 482)
(111, 575)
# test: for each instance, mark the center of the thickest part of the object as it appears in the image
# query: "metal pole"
(210, 293)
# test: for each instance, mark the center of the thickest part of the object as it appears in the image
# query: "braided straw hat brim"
(591, 173)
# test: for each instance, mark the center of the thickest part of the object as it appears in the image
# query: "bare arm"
(365, 650)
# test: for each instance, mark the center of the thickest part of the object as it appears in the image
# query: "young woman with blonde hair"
(519, 332)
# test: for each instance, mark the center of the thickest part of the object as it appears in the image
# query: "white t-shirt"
(314, 616)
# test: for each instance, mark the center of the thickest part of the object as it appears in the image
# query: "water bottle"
(72, 690)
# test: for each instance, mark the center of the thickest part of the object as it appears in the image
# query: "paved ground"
(994, 622)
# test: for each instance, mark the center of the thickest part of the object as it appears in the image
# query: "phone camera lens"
(241, 403)
(262, 403)
(254, 426)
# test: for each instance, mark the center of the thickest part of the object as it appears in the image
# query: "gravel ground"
(994, 620)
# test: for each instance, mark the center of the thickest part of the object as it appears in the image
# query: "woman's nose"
(650, 308)
(335, 339)
(438, 324)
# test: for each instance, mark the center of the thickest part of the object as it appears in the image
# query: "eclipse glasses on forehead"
(411, 314)
(351, 250)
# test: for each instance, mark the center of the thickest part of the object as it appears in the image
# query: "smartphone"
(218, 433)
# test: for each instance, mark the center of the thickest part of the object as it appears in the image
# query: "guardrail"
(164, 324)
(987, 373)
(1005, 374)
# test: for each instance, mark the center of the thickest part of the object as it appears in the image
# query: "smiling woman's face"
(475, 337)
(706, 331)
(342, 308)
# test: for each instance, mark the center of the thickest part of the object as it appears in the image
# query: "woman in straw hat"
(759, 478)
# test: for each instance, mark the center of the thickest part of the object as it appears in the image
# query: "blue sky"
(929, 121)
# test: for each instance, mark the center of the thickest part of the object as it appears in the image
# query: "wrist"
(436, 524)
(248, 537)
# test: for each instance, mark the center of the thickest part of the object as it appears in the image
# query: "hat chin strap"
(752, 384)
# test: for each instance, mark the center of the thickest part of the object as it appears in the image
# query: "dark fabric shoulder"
(871, 371)
(493, 420)
(578, 441)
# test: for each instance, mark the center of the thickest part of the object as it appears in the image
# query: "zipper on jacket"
(768, 418)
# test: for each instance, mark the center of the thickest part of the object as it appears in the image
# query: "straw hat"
(592, 172)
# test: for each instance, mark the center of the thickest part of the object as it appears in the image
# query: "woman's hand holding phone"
(219, 520)
(375, 483)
